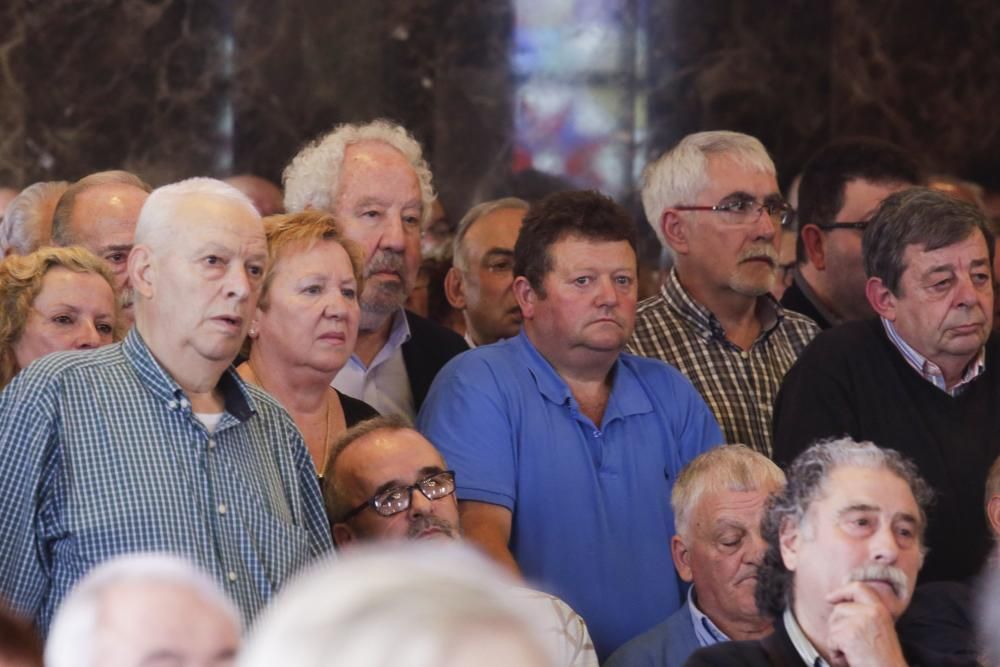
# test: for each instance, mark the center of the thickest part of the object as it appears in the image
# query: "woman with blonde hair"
(51, 300)
(306, 326)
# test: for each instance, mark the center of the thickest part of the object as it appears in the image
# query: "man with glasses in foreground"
(841, 187)
(385, 481)
(713, 200)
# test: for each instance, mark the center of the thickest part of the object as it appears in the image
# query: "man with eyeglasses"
(841, 187)
(923, 376)
(713, 201)
(385, 481)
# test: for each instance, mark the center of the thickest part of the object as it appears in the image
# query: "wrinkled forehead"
(196, 221)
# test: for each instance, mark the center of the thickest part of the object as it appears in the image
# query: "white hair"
(678, 176)
(727, 468)
(313, 176)
(71, 641)
(23, 228)
(157, 212)
(386, 605)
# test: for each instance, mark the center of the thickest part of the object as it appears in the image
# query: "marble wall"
(171, 88)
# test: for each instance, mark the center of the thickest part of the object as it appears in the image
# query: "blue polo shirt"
(591, 505)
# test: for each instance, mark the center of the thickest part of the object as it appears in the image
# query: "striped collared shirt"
(738, 385)
(705, 630)
(930, 371)
(101, 454)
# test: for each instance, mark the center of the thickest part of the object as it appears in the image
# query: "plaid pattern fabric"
(100, 454)
(738, 385)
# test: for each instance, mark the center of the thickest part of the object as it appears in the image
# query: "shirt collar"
(802, 645)
(704, 321)
(627, 396)
(705, 630)
(930, 371)
(236, 398)
(468, 341)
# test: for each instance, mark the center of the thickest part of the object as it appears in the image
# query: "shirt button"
(231, 575)
(222, 508)
(597, 434)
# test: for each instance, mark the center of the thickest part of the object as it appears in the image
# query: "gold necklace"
(329, 417)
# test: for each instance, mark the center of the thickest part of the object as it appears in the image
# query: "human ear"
(142, 270)
(812, 241)
(682, 558)
(881, 298)
(526, 296)
(454, 288)
(675, 231)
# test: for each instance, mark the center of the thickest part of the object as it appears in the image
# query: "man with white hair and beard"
(374, 179)
(713, 201)
(844, 545)
(386, 482)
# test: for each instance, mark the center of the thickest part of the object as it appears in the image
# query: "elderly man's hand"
(860, 630)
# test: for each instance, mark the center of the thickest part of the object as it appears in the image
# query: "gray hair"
(71, 641)
(383, 605)
(680, 174)
(473, 215)
(24, 228)
(727, 468)
(807, 477)
(313, 176)
(333, 496)
(917, 216)
(157, 212)
(61, 235)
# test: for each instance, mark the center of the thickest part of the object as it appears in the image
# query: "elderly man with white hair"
(374, 179)
(718, 501)
(144, 609)
(713, 201)
(155, 443)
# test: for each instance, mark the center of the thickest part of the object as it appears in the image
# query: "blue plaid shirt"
(100, 454)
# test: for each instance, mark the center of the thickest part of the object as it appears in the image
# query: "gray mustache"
(896, 577)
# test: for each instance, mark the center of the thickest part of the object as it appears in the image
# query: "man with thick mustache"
(155, 443)
(374, 179)
(844, 545)
(384, 481)
(922, 377)
(713, 201)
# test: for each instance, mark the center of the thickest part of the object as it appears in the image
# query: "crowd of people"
(321, 424)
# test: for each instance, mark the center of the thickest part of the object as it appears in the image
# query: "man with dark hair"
(841, 187)
(713, 201)
(844, 545)
(922, 377)
(564, 447)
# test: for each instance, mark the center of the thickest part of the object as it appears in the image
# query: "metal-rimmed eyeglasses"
(398, 498)
(747, 210)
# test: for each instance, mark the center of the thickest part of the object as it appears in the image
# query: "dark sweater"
(795, 299)
(852, 380)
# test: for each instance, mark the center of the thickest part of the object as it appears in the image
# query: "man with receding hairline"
(155, 443)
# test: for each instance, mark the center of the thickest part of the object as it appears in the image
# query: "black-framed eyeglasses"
(398, 498)
(745, 211)
(860, 226)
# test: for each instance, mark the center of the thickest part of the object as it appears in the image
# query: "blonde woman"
(306, 326)
(51, 300)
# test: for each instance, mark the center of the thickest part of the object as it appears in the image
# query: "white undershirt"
(209, 419)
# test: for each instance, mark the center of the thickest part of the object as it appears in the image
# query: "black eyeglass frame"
(409, 489)
(860, 225)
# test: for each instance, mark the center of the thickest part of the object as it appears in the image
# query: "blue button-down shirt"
(101, 454)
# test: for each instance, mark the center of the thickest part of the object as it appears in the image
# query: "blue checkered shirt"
(101, 454)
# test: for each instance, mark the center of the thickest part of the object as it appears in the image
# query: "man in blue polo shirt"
(565, 448)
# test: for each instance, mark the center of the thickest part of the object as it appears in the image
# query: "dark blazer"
(795, 299)
(430, 347)
(668, 644)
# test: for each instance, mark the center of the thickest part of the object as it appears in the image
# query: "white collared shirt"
(384, 384)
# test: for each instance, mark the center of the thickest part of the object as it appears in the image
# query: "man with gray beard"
(845, 540)
(714, 203)
(374, 179)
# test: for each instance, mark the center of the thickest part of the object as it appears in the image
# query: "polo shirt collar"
(627, 397)
(236, 398)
